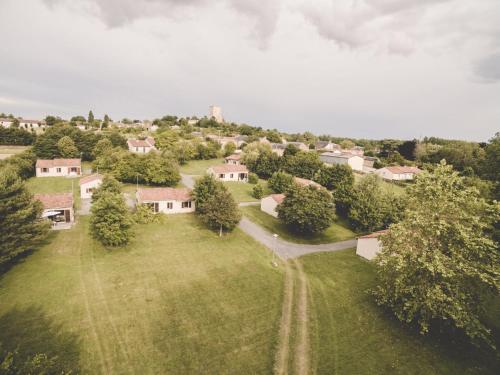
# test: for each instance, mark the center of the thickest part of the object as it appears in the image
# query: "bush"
(280, 182)
(144, 215)
(258, 191)
(253, 178)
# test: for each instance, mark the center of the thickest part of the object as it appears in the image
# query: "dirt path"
(302, 348)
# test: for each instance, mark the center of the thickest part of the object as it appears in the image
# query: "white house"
(6, 122)
(58, 167)
(229, 172)
(278, 148)
(300, 145)
(327, 146)
(369, 246)
(141, 146)
(167, 200)
(397, 173)
(58, 208)
(233, 159)
(32, 124)
(88, 184)
(270, 203)
(354, 161)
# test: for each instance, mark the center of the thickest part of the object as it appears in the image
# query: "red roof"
(405, 169)
(375, 234)
(59, 200)
(45, 163)
(139, 143)
(278, 198)
(305, 182)
(233, 157)
(228, 168)
(92, 177)
(164, 194)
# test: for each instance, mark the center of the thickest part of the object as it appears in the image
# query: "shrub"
(258, 191)
(253, 178)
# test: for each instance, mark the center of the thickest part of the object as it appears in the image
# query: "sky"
(353, 68)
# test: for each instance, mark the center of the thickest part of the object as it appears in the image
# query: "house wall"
(52, 172)
(368, 248)
(71, 212)
(355, 162)
(269, 205)
(232, 176)
(140, 150)
(234, 162)
(6, 124)
(89, 185)
(176, 207)
(388, 175)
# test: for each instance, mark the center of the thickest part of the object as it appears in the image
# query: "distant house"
(58, 167)
(223, 141)
(356, 150)
(58, 208)
(167, 200)
(88, 184)
(368, 161)
(305, 182)
(397, 173)
(32, 124)
(278, 148)
(229, 172)
(141, 146)
(369, 246)
(300, 145)
(354, 161)
(270, 204)
(326, 146)
(6, 122)
(233, 159)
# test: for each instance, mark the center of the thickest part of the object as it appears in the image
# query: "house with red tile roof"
(58, 208)
(270, 204)
(303, 182)
(167, 200)
(58, 167)
(141, 146)
(398, 173)
(88, 184)
(233, 159)
(369, 246)
(229, 172)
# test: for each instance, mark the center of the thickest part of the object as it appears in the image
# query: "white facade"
(32, 124)
(58, 168)
(368, 248)
(229, 172)
(6, 122)
(88, 187)
(354, 161)
(171, 206)
(396, 174)
(140, 146)
(270, 204)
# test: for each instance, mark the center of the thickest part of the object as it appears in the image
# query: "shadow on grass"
(30, 332)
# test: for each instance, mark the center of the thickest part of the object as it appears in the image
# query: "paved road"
(287, 250)
(188, 180)
(84, 207)
(242, 204)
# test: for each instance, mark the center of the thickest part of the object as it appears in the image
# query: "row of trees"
(16, 136)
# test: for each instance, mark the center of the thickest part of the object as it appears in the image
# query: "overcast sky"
(360, 68)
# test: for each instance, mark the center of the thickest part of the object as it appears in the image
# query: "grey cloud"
(489, 68)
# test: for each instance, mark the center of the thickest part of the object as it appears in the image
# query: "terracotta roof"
(45, 163)
(228, 168)
(150, 140)
(405, 169)
(23, 121)
(279, 198)
(59, 200)
(305, 182)
(139, 143)
(164, 194)
(375, 234)
(343, 155)
(92, 177)
(233, 157)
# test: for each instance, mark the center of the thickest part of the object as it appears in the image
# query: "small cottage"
(167, 200)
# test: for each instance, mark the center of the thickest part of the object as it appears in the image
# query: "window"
(170, 205)
(186, 204)
(58, 170)
(89, 190)
(231, 175)
(154, 206)
(45, 170)
(221, 175)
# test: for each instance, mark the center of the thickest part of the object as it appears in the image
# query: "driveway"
(84, 207)
(188, 180)
(288, 250)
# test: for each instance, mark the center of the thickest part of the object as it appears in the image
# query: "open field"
(47, 185)
(242, 192)
(6, 151)
(177, 300)
(352, 335)
(339, 231)
(199, 167)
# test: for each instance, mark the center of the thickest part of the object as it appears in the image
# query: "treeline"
(13, 136)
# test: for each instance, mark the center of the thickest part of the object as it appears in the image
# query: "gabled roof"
(305, 182)
(164, 194)
(375, 234)
(59, 200)
(46, 163)
(23, 121)
(405, 169)
(92, 177)
(278, 198)
(228, 168)
(139, 143)
(233, 157)
(278, 146)
(343, 155)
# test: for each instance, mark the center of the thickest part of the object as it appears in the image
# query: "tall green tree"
(109, 185)
(20, 221)
(439, 264)
(280, 182)
(160, 170)
(67, 148)
(204, 188)
(303, 164)
(221, 211)
(90, 118)
(338, 178)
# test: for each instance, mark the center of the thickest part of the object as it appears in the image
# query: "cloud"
(489, 68)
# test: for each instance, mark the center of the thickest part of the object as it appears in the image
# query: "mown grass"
(199, 167)
(7, 151)
(177, 300)
(242, 191)
(352, 335)
(49, 185)
(338, 231)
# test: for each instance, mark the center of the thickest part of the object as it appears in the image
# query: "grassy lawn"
(6, 151)
(242, 192)
(199, 167)
(386, 185)
(47, 185)
(177, 300)
(352, 335)
(338, 231)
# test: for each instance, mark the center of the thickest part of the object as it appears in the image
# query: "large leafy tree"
(204, 188)
(109, 185)
(160, 170)
(67, 148)
(20, 220)
(307, 210)
(303, 164)
(110, 222)
(338, 178)
(280, 182)
(265, 164)
(438, 264)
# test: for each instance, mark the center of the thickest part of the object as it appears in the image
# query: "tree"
(102, 146)
(407, 149)
(184, 151)
(347, 144)
(20, 214)
(204, 188)
(280, 182)
(338, 178)
(307, 210)
(221, 211)
(303, 164)
(258, 191)
(265, 164)
(273, 136)
(90, 118)
(109, 185)
(160, 170)
(229, 148)
(106, 121)
(23, 163)
(67, 148)
(110, 221)
(438, 264)
(253, 178)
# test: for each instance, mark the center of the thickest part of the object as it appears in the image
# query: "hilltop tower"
(216, 113)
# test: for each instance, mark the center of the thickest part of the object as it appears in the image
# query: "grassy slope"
(199, 167)
(354, 336)
(47, 185)
(177, 300)
(386, 185)
(242, 192)
(338, 231)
